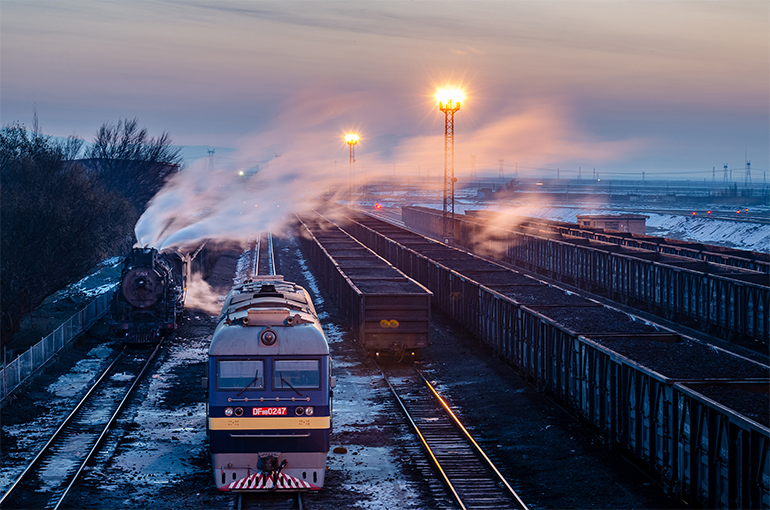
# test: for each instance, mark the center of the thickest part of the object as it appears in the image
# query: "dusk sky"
(667, 88)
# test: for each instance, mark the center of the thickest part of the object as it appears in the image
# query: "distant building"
(634, 223)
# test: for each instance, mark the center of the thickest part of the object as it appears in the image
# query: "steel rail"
(424, 442)
(59, 430)
(271, 257)
(264, 255)
(69, 420)
(255, 269)
(468, 436)
(108, 426)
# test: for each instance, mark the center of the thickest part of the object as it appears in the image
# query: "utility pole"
(747, 179)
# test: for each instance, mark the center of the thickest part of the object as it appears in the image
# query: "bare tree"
(131, 162)
(56, 222)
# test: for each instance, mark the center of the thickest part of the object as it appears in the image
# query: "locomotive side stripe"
(263, 423)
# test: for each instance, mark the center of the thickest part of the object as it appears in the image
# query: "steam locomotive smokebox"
(142, 287)
(151, 295)
(142, 257)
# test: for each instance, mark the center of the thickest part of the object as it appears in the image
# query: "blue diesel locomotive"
(269, 390)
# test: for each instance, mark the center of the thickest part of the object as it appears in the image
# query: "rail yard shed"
(634, 223)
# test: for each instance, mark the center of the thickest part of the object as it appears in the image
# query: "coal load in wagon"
(498, 277)
(442, 255)
(542, 295)
(471, 264)
(356, 263)
(585, 320)
(339, 253)
(419, 245)
(407, 238)
(388, 287)
(751, 400)
(684, 359)
(370, 273)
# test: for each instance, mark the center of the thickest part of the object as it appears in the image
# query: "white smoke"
(200, 295)
(286, 169)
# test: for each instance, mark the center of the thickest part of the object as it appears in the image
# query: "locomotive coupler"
(270, 466)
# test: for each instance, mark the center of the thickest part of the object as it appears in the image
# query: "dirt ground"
(158, 456)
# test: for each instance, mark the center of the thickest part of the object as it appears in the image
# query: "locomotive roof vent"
(266, 317)
(268, 290)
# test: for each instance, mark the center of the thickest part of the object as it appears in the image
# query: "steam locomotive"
(150, 300)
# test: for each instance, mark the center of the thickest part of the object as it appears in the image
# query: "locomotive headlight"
(238, 411)
(308, 411)
(300, 411)
(268, 337)
(228, 411)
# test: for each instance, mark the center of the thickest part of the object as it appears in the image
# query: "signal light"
(693, 213)
(377, 206)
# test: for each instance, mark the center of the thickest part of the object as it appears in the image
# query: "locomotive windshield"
(296, 373)
(240, 374)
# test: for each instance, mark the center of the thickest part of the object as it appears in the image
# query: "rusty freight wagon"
(389, 311)
(694, 414)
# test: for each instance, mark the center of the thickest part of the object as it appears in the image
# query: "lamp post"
(351, 139)
(449, 103)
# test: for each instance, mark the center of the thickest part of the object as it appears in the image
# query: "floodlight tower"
(351, 139)
(449, 103)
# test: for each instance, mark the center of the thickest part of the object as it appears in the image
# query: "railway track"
(264, 263)
(49, 477)
(261, 260)
(470, 476)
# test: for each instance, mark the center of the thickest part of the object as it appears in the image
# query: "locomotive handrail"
(270, 436)
(270, 399)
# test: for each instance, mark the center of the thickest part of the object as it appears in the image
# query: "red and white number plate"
(268, 411)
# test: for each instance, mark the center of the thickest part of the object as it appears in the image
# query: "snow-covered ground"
(744, 235)
(102, 280)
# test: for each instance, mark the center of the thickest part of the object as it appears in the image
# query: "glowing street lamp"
(449, 103)
(351, 139)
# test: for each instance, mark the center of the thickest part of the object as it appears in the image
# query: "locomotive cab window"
(241, 374)
(296, 373)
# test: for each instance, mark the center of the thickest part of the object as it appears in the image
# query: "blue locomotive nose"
(269, 412)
